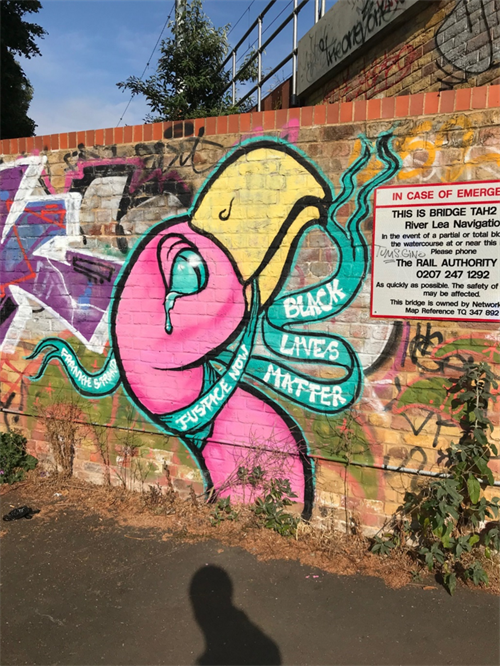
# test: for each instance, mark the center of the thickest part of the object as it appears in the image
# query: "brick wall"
(148, 316)
(447, 45)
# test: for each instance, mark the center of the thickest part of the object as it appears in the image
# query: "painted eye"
(189, 274)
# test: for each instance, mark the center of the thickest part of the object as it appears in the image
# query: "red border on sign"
(444, 203)
(459, 182)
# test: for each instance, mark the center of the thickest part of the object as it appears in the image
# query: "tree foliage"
(17, 39)
(17, 94)
(189, 81)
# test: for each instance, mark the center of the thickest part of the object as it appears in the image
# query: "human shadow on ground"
(230, 637)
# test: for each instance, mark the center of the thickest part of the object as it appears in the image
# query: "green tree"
(189, 81)
(17, 38)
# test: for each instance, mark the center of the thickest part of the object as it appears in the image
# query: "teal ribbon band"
(285, 348)
(195, 421)
(96, 385)
(336, 292)
(325, 395)
(287, 344)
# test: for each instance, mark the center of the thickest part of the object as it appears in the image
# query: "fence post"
(294, 100)
(259, 89)
(234, 77)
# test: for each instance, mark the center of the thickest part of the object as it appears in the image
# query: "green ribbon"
(196, 420)
(286, 344)
(318, 394)
(96, 385)
(285, 348)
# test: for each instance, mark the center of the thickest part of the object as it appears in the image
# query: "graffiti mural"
(342, 33)
(204, 333)
(215, 318)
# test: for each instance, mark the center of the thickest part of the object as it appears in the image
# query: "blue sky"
(93, 44)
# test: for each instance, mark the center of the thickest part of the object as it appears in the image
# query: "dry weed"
(255, 464)
(65, 429)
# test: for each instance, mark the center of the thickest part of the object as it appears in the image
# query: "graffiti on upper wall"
(38, 264)
(372, 16)
(423, 151)
(468, 40)
(163, 155)
(203, 330)
(375, 76)
(467, 44)
(186, 151)
(43, 257)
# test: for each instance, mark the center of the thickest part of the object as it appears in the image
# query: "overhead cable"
(148, 62)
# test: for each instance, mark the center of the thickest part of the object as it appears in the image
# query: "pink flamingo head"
(178, 300)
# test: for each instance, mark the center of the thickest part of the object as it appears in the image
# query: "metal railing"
(236, 72)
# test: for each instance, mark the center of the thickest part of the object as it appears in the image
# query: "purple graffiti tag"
(38, 264)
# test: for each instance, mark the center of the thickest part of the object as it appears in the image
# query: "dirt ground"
(191, 519)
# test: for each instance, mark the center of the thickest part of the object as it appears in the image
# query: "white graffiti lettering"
(75, 371)
(210, 403)
(319, 348)
(238, 364)
(329, 396)
(295, 307)
(111, 375)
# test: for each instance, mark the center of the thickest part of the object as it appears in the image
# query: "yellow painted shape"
(272, 271)
(431, 141)
(411, 144)
(259, 189)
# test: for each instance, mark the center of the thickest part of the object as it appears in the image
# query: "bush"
(449, 522)
(14, 461)
(270, 510)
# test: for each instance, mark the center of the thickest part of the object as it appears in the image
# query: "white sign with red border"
(436, 251)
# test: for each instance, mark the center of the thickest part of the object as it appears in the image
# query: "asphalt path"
(78, 589)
